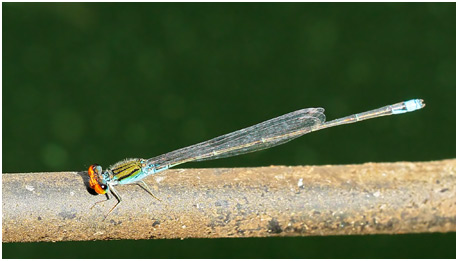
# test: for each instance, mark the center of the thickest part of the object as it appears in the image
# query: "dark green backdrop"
(99, 82)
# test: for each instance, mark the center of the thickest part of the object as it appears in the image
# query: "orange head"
(96, 182)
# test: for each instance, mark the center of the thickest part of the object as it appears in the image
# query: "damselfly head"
(96, 181)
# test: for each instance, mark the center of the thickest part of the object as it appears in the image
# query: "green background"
(91, 83)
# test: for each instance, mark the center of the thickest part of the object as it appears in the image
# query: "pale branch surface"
(370, 198)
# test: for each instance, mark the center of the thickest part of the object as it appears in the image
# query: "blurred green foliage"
(91, 83)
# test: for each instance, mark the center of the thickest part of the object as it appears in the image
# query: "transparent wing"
(261, 136)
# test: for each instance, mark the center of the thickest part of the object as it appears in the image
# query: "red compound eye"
(94, 183)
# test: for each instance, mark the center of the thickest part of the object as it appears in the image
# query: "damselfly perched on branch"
(261, 136)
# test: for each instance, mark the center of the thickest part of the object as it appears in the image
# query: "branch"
(371, 198)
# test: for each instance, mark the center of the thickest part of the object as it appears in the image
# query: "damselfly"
(261, 136)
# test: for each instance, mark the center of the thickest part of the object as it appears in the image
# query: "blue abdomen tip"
(413, 105)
